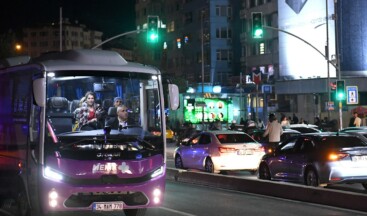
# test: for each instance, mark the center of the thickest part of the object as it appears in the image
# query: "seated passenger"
(121, 120)
(117, 101)
(89, 114)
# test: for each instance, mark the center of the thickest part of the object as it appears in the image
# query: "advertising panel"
(214, 109)
(307, 20)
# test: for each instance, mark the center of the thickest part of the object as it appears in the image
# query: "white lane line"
(176, 212)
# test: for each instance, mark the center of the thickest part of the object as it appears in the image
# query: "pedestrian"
(274, 130)
(284, 122)
(357, 120)
(295, 119)
(233, 125)
(317, 121)
(260, 124)
(242, 121)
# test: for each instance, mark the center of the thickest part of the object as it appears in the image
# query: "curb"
(317, 195)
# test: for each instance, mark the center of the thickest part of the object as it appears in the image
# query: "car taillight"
(261, 149)
(337, 156)
(226, 150)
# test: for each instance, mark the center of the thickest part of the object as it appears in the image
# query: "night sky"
(112, 17)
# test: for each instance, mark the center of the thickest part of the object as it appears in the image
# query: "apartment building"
(46, 38)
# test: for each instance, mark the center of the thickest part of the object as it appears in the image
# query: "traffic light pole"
(303, 40)
(117, 36)
(323, 55)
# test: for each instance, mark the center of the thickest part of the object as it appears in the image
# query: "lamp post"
(202, 62)
(327, 55)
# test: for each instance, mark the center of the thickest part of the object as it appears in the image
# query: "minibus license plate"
(108, 206)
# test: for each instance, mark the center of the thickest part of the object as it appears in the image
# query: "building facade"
(46, 38)
(199, 40)
(313, 47)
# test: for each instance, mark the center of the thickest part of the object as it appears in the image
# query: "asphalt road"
(193, 200)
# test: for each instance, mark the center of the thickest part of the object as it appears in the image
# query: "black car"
(318, 159)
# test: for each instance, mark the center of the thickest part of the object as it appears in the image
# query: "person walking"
(357, 120)
(274, 130)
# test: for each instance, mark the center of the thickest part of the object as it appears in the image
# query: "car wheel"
(311, 178)
(178, 162)
(209, 166)
(364, 185)
(264, 172)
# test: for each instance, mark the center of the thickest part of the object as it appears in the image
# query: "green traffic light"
(258, 33)
(340, 90)
(340, 96)
(257, 25)
(153, 37)
(152, 29)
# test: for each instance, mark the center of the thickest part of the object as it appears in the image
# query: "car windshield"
(113, 111)
(234, 138)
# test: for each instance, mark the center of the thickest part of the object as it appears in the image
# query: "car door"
(201, 150)
(300, 158)
(188, 151)
(279, 163)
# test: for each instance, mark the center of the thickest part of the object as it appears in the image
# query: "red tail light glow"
(337, 156)
(260, 149)
(227, 150)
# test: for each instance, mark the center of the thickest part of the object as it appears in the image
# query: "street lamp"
(18, 47)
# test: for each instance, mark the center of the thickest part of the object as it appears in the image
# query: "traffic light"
(257, 25)
(152, 31)
(340, 90)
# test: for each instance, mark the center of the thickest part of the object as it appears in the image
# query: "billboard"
(214, 109)
(307, 20)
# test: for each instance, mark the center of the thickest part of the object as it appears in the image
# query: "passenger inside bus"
(89, 115)
(119, 117)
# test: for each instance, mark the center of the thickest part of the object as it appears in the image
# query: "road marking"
(176, 212)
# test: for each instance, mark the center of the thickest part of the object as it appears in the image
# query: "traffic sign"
(330, 106)
(352, 94)
(266, 89)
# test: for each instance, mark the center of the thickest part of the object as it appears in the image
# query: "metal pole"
(338, 60)
(257, 99)
(202, 61)
(327, 56)
(60, 29)
(117, 36)
(241, 99)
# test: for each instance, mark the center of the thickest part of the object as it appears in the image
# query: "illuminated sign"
(214, 109)
(307, 20)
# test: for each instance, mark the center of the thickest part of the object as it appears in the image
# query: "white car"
(215, 151)
(305, 128)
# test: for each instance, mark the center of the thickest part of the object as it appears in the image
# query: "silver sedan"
(215, 151)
